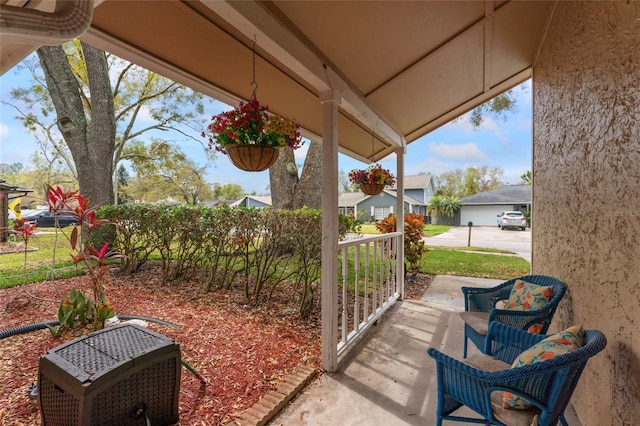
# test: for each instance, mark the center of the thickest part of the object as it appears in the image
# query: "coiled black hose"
(28, 328)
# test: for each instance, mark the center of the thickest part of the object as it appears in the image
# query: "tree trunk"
(289, 192)
(283, 178)
(308, 191)
(89, 135)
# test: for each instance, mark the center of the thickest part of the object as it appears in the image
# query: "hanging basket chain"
(373, 146)
(249, 134)
(254, 84)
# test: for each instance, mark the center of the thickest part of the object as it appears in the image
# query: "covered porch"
(351, 72)
(388, 378)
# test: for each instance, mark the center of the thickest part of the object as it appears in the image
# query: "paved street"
(486, 236)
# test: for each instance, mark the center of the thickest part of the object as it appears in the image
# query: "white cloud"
(4, 131)
(461, 124)
(490, 125)
(431, 165)
(464, 152)
(144, 116)
(512, 174)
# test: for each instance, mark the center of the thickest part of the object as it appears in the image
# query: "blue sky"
(453, 146)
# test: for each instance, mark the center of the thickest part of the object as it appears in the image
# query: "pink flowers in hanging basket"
(251, 124)
(373, 174)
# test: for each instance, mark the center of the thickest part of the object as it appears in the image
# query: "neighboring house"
(253, 201)
(419, 187)
(216, 203)
(483, 208)
(376, 207)
(8, 193)
(347, 202)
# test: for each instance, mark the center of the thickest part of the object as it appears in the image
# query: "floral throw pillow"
(557, 344)
(526, 296)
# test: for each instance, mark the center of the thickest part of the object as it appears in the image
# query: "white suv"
(512, 219)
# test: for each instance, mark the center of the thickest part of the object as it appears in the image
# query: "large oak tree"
(89, 134)
(84, 106)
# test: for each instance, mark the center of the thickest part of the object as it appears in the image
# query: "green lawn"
(38, 262)
(452, 261)
(429, 230)
(465, 261)
(44, 242)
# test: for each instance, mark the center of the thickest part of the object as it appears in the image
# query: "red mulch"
(242, 351)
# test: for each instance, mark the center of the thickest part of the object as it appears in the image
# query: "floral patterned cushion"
(526, 296)
(557, 344)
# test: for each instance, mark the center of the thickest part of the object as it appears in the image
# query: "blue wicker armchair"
(480, 308)
(480, 381)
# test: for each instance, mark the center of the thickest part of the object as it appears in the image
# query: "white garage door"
(482, 215)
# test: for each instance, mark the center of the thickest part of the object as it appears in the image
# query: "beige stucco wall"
(586, 192)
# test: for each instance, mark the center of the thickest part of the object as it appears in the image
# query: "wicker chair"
(480, 309)
(479, 382)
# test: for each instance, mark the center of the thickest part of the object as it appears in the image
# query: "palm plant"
(450, 206)
(436, 205)
(441, 206)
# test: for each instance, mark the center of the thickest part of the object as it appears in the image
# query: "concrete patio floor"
(388, 378)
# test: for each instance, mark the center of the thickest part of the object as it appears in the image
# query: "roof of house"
(350, 199)
(415, 181)
(13, 189)
(215, 203)
(507, 194)
(264, 199)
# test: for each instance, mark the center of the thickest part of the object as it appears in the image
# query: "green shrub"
(347, 224)
(216, 245)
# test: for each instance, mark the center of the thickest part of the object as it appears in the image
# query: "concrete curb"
(271, 404)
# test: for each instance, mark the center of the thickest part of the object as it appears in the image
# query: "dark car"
(45, 219)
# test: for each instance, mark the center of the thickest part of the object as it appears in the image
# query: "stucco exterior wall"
(586, 192)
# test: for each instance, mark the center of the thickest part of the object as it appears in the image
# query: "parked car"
(512, 220)
(45, 219)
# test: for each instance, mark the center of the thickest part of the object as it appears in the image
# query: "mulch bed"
(242, 351)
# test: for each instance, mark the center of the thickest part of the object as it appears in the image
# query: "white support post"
(330, 101)
(400, 218)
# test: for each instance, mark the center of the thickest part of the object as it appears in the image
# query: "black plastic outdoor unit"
(121, 375)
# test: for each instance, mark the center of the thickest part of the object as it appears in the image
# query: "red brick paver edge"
(271, 404)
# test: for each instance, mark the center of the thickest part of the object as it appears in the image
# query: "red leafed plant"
(76, 308)
(25, 230)
(414, 247)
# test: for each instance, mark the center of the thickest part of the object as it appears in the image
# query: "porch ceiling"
(403, 68)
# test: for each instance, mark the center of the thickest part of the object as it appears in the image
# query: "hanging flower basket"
(371, 188)
(371, 180)
(252, 158)
(251, 136)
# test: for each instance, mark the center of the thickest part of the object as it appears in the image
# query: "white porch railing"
(368, 284)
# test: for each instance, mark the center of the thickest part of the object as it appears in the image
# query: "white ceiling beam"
(253, 20)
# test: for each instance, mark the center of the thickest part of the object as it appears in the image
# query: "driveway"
(486, 236)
